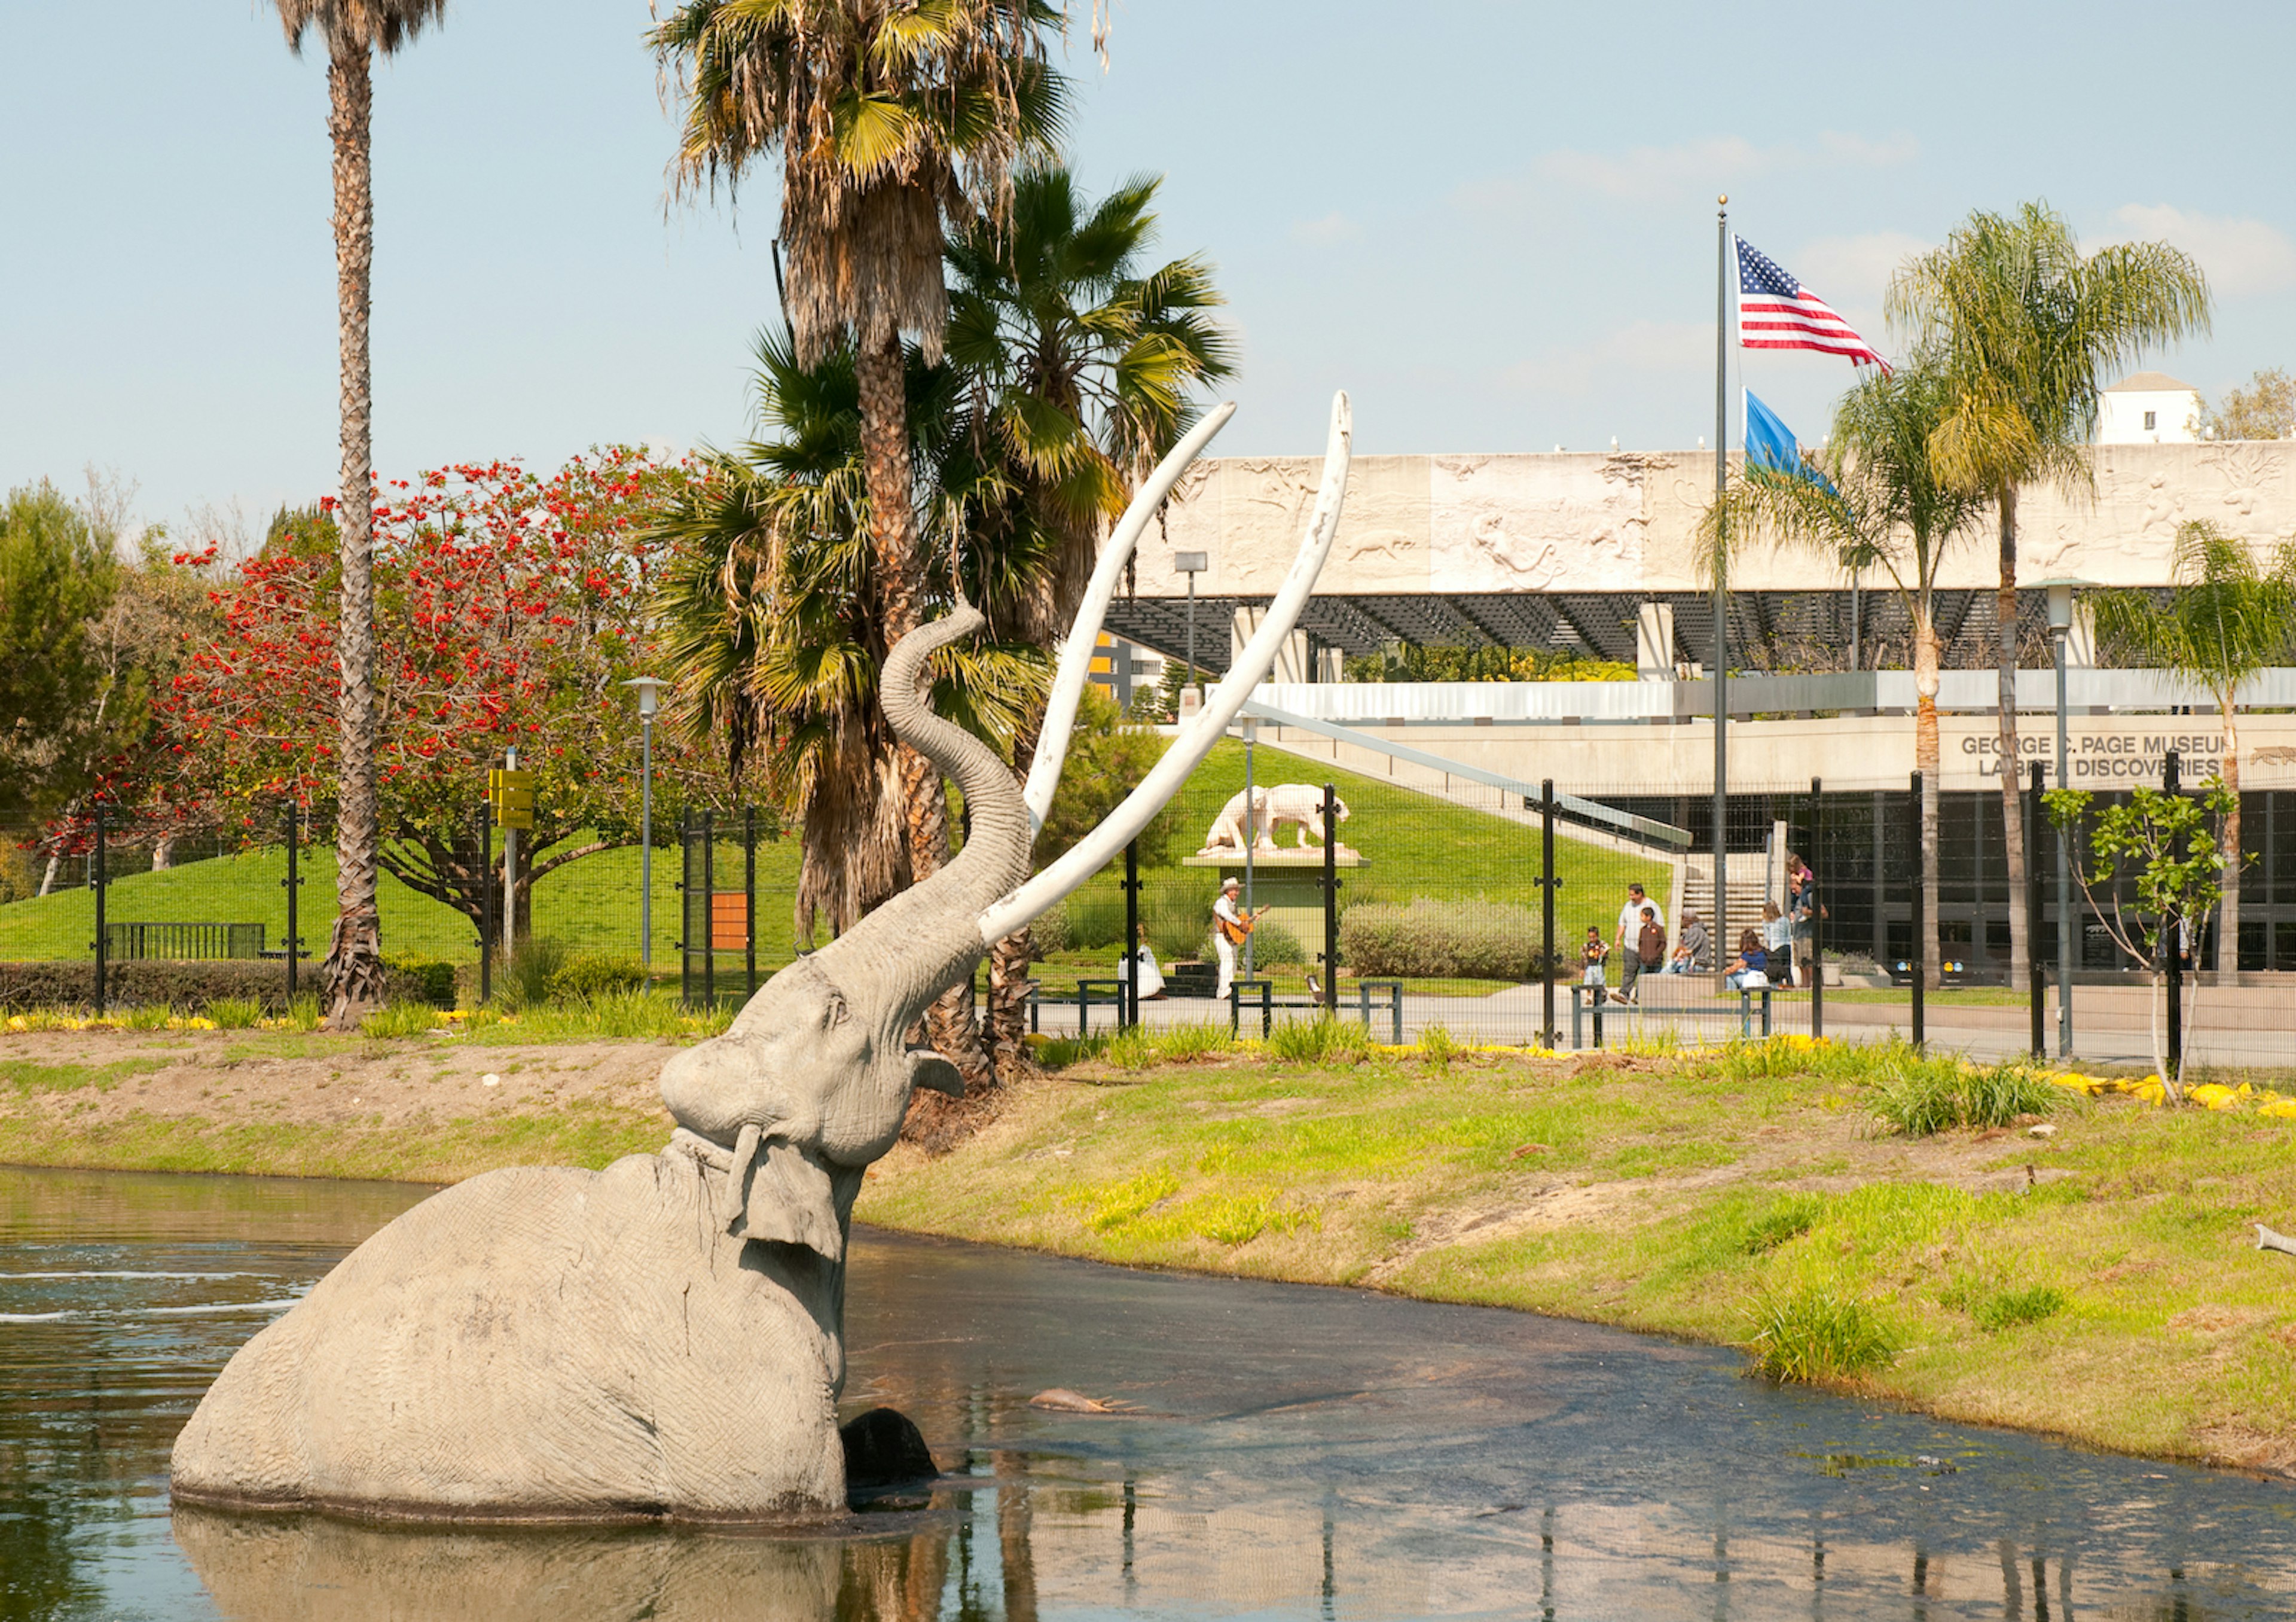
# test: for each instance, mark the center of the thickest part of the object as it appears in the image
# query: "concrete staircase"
(1748, 889)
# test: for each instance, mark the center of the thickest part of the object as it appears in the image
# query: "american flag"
(1776, 312)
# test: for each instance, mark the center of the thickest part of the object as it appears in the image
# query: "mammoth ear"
(929, 1070)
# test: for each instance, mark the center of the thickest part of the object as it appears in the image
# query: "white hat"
(1231, 883)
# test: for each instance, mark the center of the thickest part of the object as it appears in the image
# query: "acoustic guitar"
(1235, 934)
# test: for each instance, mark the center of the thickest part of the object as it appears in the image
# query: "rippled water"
(1284, 1453)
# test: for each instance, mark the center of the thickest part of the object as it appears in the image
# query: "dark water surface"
(1291, 1452)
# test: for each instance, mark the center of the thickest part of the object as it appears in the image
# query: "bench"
(1268, 1002)
(183, 943)
(1087, 993)
(1583, 996)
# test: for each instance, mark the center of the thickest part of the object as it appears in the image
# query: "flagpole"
(1721, 647)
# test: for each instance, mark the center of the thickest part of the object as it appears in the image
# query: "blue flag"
(1771, 445)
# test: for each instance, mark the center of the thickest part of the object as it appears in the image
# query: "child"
(1777, 939)
(1593, 953)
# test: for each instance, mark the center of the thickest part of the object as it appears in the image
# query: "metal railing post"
(1817, 905)
(2038, 990)
(1127, 989)
(709, 910)
(1920, 957)
(290, 884)
(2172, 944)
(486, 901)
(1332, 899)
(750, 900)
(1547, 1033)
(96, 879)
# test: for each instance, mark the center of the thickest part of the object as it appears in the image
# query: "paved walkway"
(2245, 1027)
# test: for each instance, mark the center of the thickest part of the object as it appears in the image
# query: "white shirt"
(1224, 909)
(1630, 918)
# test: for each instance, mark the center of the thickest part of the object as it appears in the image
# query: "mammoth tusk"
(1076, 652)
(2267, 1239)
(736, 1193)
(1225, 701)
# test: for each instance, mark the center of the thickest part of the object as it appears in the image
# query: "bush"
(234, 1013)
(1050, 934)
(1937, 1095)
(69, 984)
(1096, 919)
(415, 979)
(2013, 1307)
(1317, 1041)
(1174, 910)
(1814, 1334)
(1273, 946)
(586, 977)
(400, 1019)
(524, 981)
(1441, 940)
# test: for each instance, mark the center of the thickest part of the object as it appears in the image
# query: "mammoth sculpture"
(665, 1338)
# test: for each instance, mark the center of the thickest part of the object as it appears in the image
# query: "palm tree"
(2227, 617)
(767, 615)
(2026, 328)
(355, 31)
(1871, 501)
(890, 119)
(1079, 368)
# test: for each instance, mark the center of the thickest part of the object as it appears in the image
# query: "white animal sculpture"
(665, 1338)
(1227, 829)
(1302, 805)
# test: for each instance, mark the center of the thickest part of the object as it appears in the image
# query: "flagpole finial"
(1724, 200)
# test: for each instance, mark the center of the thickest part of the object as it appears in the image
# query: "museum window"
(2149, 423)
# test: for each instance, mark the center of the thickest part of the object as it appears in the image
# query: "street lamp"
(1191, 563)
(649, 699)
(2060, 594)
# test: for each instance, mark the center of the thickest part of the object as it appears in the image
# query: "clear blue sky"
(1493, 223)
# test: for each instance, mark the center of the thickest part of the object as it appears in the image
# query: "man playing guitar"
(1231, 927)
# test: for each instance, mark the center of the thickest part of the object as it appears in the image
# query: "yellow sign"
(511, 793)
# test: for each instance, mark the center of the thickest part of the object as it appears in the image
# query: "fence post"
(1332, 899)
(685, 909)
(750, 899)
(1914, 844)
(290, 884)
(1817, 905)
(2172, 944)
(709, 910)
(1547, 1033)
(486, 901)
(96, 878)
(2038, 993)
(1127, 989)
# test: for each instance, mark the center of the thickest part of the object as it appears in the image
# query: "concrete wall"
(1623, 523)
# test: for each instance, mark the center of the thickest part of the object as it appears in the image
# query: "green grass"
(1747, 1197)
(1921, 1096)
(592, 905)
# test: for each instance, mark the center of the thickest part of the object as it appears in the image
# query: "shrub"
(1318, 1041)
(1096, 919)
(146, 1017)
(1814, 1334)
(70, 983)
(416, 979)
(1174, 908)
(587, 975)
(1441, 940)
(1273, 946)
(234, 1013)
(524, 981)
(303, 1012)
(1436, 1046)
(400, 1019)
(1050, 934)
(2013, 1307)
(1930, 1095)
(1787, 1219)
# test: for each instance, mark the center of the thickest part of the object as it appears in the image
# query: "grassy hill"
(1412, 844)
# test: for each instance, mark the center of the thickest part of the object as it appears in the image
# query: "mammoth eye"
(834, 1012)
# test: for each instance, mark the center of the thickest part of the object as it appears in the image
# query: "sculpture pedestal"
(1288, 882)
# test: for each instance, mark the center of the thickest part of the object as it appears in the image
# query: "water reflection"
(1280, 1452)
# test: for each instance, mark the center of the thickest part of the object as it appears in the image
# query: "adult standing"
(1629, 939)
(1801, 912)
(1228, 931)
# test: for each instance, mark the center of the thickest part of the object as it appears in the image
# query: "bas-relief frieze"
(1627, 522)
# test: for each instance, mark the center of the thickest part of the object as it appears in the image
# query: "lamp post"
(2060, 624)
(1190, 563)
(649, 699)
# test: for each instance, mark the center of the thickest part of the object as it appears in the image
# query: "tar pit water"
(1258, 1450)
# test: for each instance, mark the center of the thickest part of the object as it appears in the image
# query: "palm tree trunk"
(2228, 929)
(897, 584)
(353, 970)
(1926, 760)
(2013, 818)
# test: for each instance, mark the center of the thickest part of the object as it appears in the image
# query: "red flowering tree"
(509, 607)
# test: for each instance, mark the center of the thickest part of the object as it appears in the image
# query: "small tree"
(2228, 617)
(2171, 847)
(2263, 410)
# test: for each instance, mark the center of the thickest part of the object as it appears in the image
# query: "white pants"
(1226, 951)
